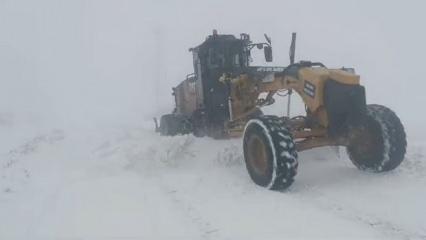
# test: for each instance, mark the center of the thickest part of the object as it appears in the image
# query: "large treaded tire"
(384, 132)
(168, 125)
(172, 125)
(270, 152)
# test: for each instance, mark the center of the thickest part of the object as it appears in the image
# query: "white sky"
(78, 62)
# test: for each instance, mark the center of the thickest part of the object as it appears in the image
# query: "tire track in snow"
(13, 174)
(305, 193)
(206, 228)
(168, 155)
(31, 146)
(388, 228)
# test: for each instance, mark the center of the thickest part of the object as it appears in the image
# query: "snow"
(81, 80)
(130, 183)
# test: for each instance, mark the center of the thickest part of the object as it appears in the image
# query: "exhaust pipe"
(292, 55)
(157, 129)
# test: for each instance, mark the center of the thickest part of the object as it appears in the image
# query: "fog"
(66, 63)
(81, 80)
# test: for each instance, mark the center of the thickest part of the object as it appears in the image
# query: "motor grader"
(224, 96)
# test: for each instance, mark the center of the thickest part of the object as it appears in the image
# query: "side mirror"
(268, 53)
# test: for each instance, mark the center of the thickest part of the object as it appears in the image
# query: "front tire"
(269, 153)
(378, 143)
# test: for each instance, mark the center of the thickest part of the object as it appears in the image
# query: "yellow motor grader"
(224, 96)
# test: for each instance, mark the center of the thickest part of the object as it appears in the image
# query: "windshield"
(228, 56)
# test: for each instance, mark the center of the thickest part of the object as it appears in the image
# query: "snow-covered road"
(129, 183)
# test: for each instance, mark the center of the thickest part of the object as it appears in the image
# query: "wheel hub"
(364, 141)
(257, 157)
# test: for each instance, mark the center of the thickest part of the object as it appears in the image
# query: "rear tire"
(270, 153)
(199, 123)
(378, 143)
(168, 125)
(172, 125)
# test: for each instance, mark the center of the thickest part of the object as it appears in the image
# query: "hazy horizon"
(91, 62)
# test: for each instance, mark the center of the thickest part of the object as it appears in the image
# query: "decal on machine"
(309, 89)
(270, 69)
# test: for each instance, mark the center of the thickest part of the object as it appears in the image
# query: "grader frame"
(307, 136)
(222, 99)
